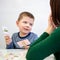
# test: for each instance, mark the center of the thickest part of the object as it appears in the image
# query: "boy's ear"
(17, 23)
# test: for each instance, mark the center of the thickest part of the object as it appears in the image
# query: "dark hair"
(25, 14)
(55, 9)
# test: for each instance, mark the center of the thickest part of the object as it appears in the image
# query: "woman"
(49, 42)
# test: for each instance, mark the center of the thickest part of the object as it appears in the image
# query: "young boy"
(24, 38)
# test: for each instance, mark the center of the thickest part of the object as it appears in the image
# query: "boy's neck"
(22, 34)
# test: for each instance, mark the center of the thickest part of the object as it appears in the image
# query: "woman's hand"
(51, 25)
(7, 39)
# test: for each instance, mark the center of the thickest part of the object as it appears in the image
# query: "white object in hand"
(5, 31)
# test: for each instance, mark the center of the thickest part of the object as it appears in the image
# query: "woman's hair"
(24, 14)
(55, 9)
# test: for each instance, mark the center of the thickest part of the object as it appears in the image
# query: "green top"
(45, 45)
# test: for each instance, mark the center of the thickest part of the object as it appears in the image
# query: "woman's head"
(55, 10)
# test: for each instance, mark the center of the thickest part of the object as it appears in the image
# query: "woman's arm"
(43, 36)
(45, 47)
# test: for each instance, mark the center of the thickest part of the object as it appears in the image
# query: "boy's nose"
(28, 25)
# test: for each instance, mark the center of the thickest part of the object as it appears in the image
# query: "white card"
(27, 42)
(23, 43)
(20, 43)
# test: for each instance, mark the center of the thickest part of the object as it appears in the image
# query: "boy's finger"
(6, 37)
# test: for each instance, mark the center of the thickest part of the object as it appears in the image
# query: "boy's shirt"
(18, 42)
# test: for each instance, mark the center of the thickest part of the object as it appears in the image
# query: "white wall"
(10, 9)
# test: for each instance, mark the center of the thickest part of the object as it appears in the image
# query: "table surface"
(17, 54)
(12, 54)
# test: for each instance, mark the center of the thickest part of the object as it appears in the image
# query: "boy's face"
(25, 24)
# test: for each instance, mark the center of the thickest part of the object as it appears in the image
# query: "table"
(12, 54)
(17, 54)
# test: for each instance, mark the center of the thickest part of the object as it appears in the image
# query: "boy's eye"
(31, 24)
(25, 22)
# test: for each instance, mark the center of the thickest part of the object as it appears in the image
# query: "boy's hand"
(26, 47)
(7, 39)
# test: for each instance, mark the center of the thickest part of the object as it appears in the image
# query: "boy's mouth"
(26, 29)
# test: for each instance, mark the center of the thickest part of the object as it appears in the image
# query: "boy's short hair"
(25, 14)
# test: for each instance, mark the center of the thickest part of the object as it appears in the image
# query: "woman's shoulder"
(56, 31)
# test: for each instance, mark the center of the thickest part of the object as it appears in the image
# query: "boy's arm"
(10, 46)
(9, 43)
